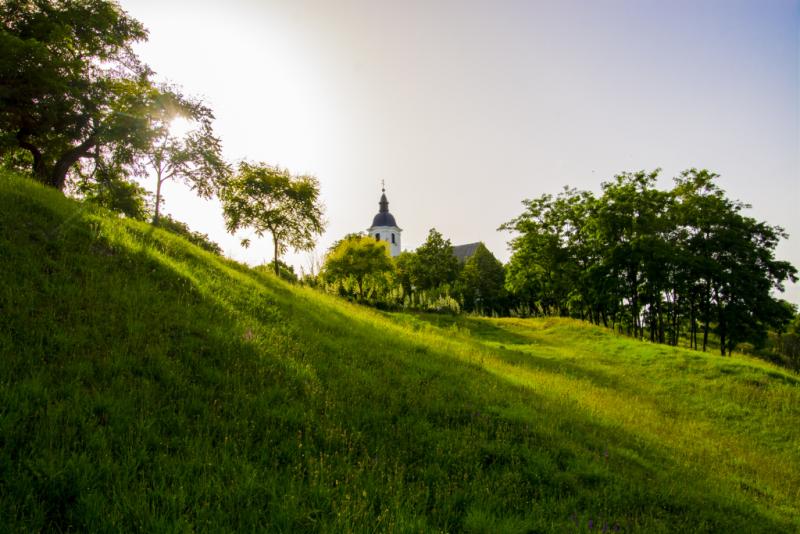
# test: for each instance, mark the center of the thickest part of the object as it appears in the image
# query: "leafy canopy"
(271, 200)
(359, 258)
(436, 265)
(70, 84)
(481, 283)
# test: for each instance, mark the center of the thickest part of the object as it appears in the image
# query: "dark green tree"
(436, 265)
(70, 83)
(481, 283)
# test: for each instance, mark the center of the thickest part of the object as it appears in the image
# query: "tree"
(552, 252)
(70, 83)
(481, 282)
(269, 199)
(116, 193)
(359, 258)
(652, 261)
(194, 157)
(405, 267)
(436, 265)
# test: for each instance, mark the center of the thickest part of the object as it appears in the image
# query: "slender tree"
(193, 157)
(271, 200)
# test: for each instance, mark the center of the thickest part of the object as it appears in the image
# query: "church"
(384, 228)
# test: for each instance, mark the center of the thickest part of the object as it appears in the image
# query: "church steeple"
(384, 203)
(384, 227)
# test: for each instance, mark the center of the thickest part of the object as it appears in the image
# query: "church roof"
(464, 252)
(384, 218)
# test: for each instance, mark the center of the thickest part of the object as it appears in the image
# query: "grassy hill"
(146, 384)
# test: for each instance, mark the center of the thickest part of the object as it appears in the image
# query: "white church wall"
(390, 234)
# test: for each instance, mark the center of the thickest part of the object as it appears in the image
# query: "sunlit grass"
(149, 385)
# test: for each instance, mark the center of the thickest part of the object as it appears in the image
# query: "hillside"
(149, 385)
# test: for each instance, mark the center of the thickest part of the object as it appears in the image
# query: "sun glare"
(180, 126)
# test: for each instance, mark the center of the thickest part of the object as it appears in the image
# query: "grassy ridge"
(148, 385)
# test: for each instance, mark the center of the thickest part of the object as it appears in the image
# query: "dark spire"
(383, 218)
(384, 203)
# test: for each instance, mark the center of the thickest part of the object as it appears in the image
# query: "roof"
(464, 252)
(384, 218)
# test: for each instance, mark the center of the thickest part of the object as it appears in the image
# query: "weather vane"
(383, 186)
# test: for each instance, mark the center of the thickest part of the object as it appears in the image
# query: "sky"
(465, 108)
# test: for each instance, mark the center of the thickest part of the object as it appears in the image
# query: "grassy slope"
(148, 385)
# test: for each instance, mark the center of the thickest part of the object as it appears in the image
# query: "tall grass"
(146, 384)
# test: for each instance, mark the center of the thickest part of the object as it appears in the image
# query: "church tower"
(384, 227)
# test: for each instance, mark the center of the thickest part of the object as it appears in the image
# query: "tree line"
(679, 266)
(656, 264)
(429, 278)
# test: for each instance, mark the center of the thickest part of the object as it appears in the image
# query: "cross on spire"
(383, 186)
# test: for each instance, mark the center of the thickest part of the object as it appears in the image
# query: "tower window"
(377, 237)
(392, 239)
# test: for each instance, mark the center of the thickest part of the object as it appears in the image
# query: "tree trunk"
(158, 196)
(275, 256)
(38, 161)
(58, 175)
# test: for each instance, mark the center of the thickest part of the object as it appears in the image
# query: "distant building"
(465, 252)
(384, 227)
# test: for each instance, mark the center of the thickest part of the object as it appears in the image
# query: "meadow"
(148, 385)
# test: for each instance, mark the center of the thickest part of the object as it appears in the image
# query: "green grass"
(146, 385)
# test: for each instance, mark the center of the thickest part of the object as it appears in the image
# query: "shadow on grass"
(153, 387)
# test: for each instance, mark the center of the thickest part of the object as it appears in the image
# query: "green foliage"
(118, 194)
(435, 263)
(270, 199)
(149, 385)
(176, 227)
(361, 259)
(194, 158)
(481, 283)
(285, 271)
(405, 266)
(657, 264)
(71, 84)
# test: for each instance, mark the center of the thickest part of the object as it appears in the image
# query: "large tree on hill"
(70, 83)
(271, 200)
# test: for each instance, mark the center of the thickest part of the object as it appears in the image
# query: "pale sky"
(465, 108)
